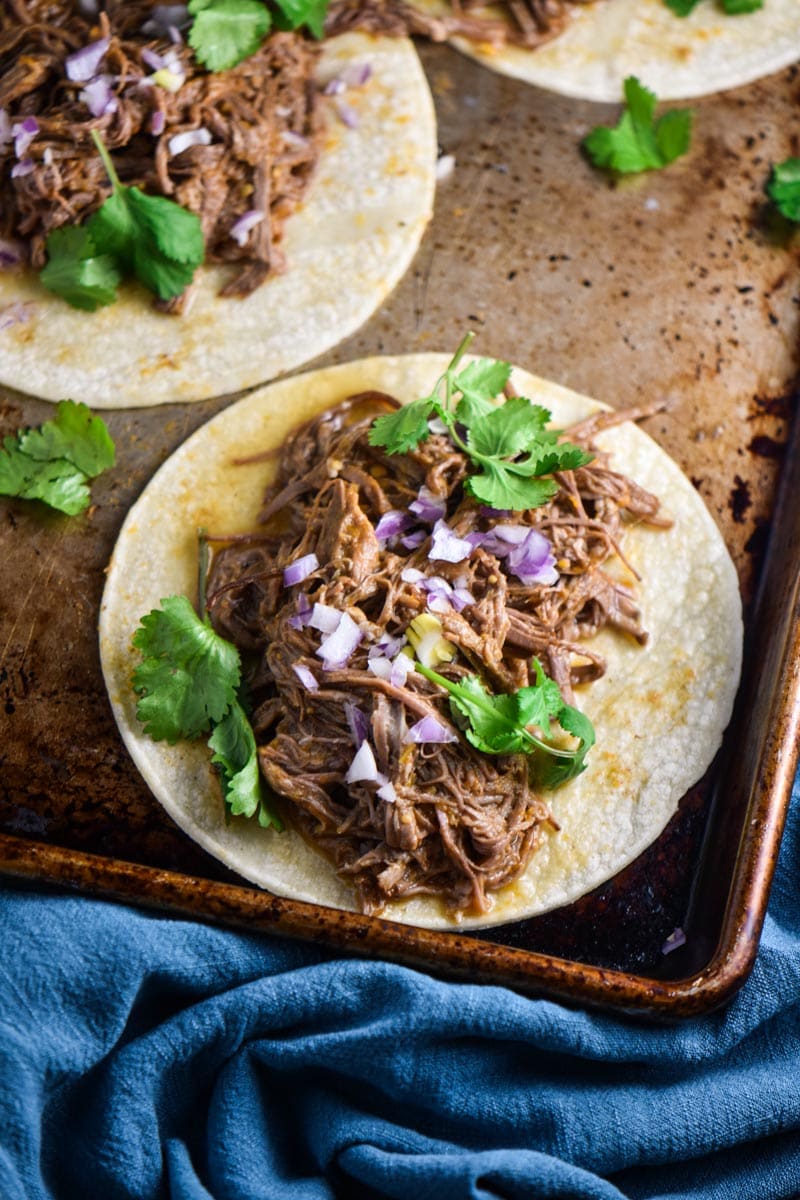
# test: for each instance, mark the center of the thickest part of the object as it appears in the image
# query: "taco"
(637, 617)
(309, 166)
(587, 49)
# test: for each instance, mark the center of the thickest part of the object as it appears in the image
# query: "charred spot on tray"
(756, 543)
(766, 447)
(774, 406)
(739, 500)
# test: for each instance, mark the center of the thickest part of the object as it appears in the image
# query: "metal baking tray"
(679, 284)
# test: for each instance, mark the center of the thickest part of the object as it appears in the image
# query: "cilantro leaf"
(479, 383)
(403, 430)
(498, 724)
(310, 13)
(73, 434)
(508, 429)
(236, 757)
(59, 483)
(682, 8)
(639, 142)
(735, 7)
(189, 675)
(224, 32)
(54, 462)
(76, 272)
(783, 188)
(496, 486)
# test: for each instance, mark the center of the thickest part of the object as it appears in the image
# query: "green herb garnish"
(132, 233)
(499, 724)
(733, 8)
(54, 462)
(509, 444)
(639, 142)
(783, 188)
(189, 682)
(224, 32)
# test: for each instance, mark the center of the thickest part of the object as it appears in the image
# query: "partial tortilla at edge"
(676, 57)
(346, 247)
(659, 712)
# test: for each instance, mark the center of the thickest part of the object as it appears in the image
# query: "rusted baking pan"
(678, 285)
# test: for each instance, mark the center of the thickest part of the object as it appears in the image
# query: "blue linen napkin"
(144, 1057)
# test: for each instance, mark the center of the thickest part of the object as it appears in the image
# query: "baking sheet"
(677, 284)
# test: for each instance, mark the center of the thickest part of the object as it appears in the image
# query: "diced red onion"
(300, 569)
(336, 648)
(240, 229)
(357, 723)
(295, 139)
(303, 612)
(437, 425)
(158, 120)
(175, 35)
(334, 87)
(89, 8)
(401, 667)
(412, 575)
(387, 792)
(388, 645)
(306, 677)
(99, 97)
(20, 169)
(428, 508)
(380, 666)
(24, 132)
(363, 768)
(153, 60)
(346, 113)
(12, 253)
(391, 524)
(356, 74)
(16, 314)
(190, 137)
(325, 618)
(84, 63)
(445, 167)
(447, 546)
(412, 540)
(532, 561)
(429, 730)
(676, 938)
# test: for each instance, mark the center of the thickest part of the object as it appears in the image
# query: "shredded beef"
(462, 824)
(528, 23)
(263, 117)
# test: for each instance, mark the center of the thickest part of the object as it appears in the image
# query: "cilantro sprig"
(500, 724)
(55, 461)
(639, 142)
(149, 237)
(783, 188)
(682, 8)
(189, 684)
(508, 445)
(224, 32)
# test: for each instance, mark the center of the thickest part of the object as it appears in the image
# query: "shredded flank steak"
(259, 127)
(439, 818)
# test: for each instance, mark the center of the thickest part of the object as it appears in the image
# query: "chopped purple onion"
(23, 133)
(175, 35)
(20, 169)
(447, 546)
(158, 120)
(387, 792)
(363, 767)
(346, 113)
(445, 167)
(153, 60)
(391, 524)
(388, 645)
(303, 612)
(380, 666)
(12, 253)
(99, 97)
(401, 667)
(357, 723)
(295, 139)
(412, 575)
(334, 87)
(437, 425)
(164, 18)
(306, 677)
(428, 508)
(429, 730)
(84, 63)
(336, 648)
(532, 561)
(324, 617)
(356, 74)
(300, 569)
(676, 938)
(89, 8)
(240, 229)
(191, 137)
(412, 540)
(17, 313)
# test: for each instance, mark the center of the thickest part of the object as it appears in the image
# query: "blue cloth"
(147, 1057)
